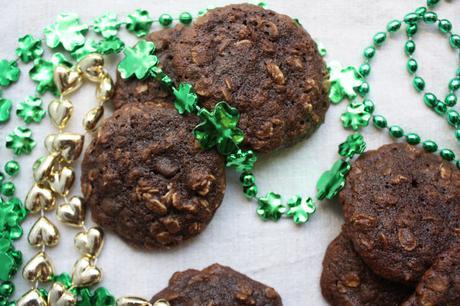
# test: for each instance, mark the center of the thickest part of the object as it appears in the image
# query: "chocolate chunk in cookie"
(402, 208)
(218, 286)
(145, 177)
(346, 280)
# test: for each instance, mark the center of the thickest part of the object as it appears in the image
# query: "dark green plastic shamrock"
(344, 82)
(9, 72)
(242, 161)
(139, 22)
(66, 31)
(271, 207)
(354, 144)
(90, 46)
(5, 110)
(102, 297)
(186, 98)
(107, 25)
(218, 128)
(7, 262)
(138, 61)
(31, 110)
(43, 73)
(20, 141)
(12, 213)
(64, 279)
(29, 48)
(356, 116)
(111, 45)
(332, 181)
(300, 209)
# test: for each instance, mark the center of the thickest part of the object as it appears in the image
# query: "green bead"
(430, 146)
(185, 18)
(6, 289)
(409, 47)
(450, 100)
(250, 192)
(393, 26)
(457, 134)
(412, 66)
(411, 30)
(458, 164)
(3, 301)
(432, 3)
(165, 20)
(454, 84)
(440, 108)
(454, 41)
(445, 26)
(413, 139)
(379, 121)
(430, 99)
(447, 154)
(369, 106)
(247, 179)
(430, 17)
(453, 118)
(8, 189)
(419, 83)
(421, 11)
(369, 52)
(12, 168)
(364, 89)
(396, 131)
(365, 69)
(411, 18)
(379, 38)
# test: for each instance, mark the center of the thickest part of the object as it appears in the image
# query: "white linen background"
(282, 255)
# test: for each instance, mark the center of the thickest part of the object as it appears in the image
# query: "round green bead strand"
(396, 131)
(440, 108)
(369, 52)
(411, 30)
(409, 47)
(412, 66)
(454, 84)
(165, 20)
(453, 118)
(413, 139)
(447, 154)
(247, 179)
(393, 26)
(432, 3)
(6, 289)
(379, 122)
(419, 83)
(379, 38)
(430, 99)
(445, 26)
(430, 17)
(185, 18)
(250, 192)
(454, 41)
(12, 168)
(430, 146)
(411, 18)
(457, 134)
(8, 189)
(369, 106)
(450, 100)
(365, 69)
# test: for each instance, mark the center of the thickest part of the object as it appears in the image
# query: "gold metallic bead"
(39, 197)
(43, 168)
(72, 213)
(60, 112)
(91, 66)
(89, 243)
(67, 80)
(161, 302)
(132, 301)
(105, 89)
(31, 298)
(60, 296)
(49, 143)
(69, 145)
(43, 232)
(85, 273)
(61, 181)
(39, 268)
(92, 118)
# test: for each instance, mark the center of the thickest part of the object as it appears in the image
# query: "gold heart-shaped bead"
(31, 298)
(89, 243)
(39, 268)
(39, 197)
(105, 89)
(43, 232)
(49, 140)
(60, 112)
(61, 181)
(85, 273)
(43, 167)
(72, 213)
(132, 301)
(60, 296)
(91, 66)
(69, 145)
(92, 118)
(67, 80)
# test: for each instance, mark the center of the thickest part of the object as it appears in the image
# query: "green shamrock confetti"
(5, 110)
(31, 110)
(186, 98)
(29, 48)
(354, 144)
(20, 141)
(300, 209)
(90, 46)
(139, 22)
(9, 72)
(111, 45)
(271, 207)
(242, 161)
(344, 81)
(107, 25)
(66, 31)
(7, 262)
(332, 181)
(138, 61)
(12, 213)
(356, 117)
(218, 128)
(43, 73)
(100, 297)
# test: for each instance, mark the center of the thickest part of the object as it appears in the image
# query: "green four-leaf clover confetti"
(344, 82)
(66, 31)
(5, 110)
(31, 110)
(107, 25)
(271, 207)
(354, 144)
(332, 181)
(139, 22)
(356, 117)
(29, 48)
(242, 161)
(138, 61)
(89, 47)
(110, 45)
(20, 141)
(43, 73)
(9, 72)
(300, 209)
(186, 98)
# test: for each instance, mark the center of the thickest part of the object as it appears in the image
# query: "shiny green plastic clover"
(31, 110)
(271, 207)
(139, 22)
(344, 82)
(300, 209)
(100, 297)
(29, 48)
(11, 216)
(20, 141)
(5, 110)
(107, 25)
(43, 73)
(354, 144)
(64, 279)
(242, 161)
(356, 117)
(218, 128)
(9, 72)
(186, 98)
(332, 181)
(90, 46)
(138, 61)
(66, 31)
(111, 45)
(7, 262)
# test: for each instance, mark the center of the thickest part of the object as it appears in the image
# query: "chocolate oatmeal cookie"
(402, 208)
(145, 177)
(218, 286)
(346, 280)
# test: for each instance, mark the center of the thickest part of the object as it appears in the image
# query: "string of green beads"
(165, 20)
(185, 18)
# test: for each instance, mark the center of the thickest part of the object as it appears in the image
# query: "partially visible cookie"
(440, 285)
(217, 285)
(346, 280)
(402, 208)
(145, 177)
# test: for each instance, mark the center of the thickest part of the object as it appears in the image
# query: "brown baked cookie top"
(346, 280)
(145, 177)
(440, 285)
(402, 208)
(218, 286)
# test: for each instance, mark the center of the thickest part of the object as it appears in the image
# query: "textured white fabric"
(283, 255)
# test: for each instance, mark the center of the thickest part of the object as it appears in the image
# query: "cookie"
(145, 177)
(346, 280)
(440, 285)
(218, 286)
(402, 208)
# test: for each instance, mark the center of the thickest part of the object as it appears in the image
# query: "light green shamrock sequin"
(66, 31)
(9, 72)
(332, 181)
(218, 128)
(107, 25)
(29, 48)
(43, 73)
(20, 141)
(300, 209)
(139, 22)
(138, 61)
(242, 161)
(111, 45)
(31, 110)
(5, 110)
(90, 46)
(271, 207)
(186, 98)
(354, 144)
(356, 117)
(344, 82)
